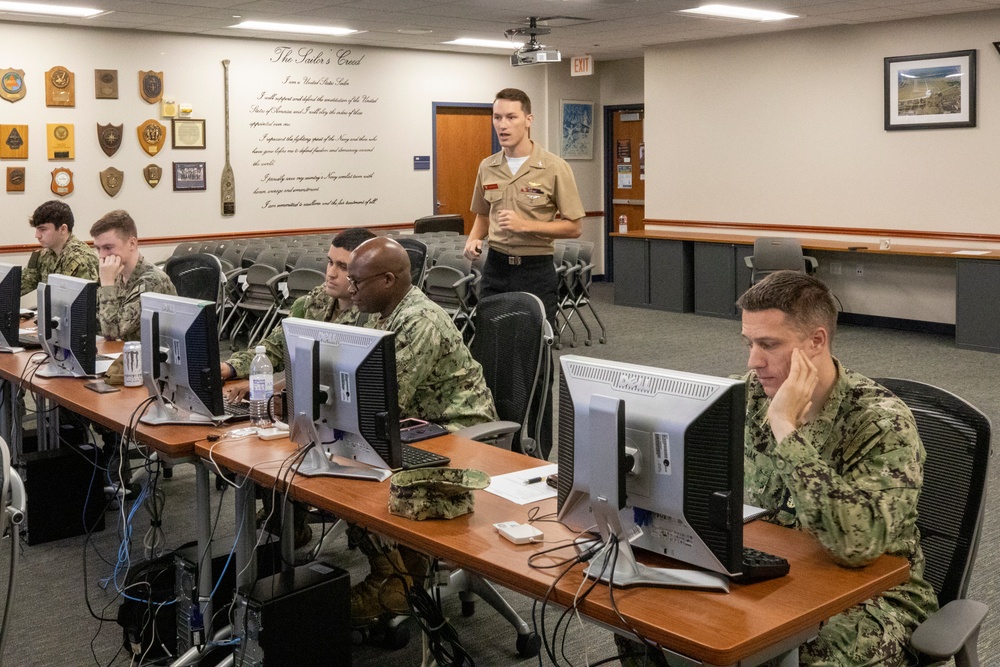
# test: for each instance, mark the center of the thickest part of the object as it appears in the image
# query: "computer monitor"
(340, 383)
(10, 307)
(67, 326)
(655, 458)
(180, 360)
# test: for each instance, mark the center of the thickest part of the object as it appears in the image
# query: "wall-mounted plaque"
(152, 173)
(12, 84)
(151, 86)
(110, 138)
(62, 181)
(168, 108)
(60, 87)
(151, 136)
(59, 137)
(188, 133)
(106, 84)
(111, 180)
(14, 142)
(189, 176)
(15, 179)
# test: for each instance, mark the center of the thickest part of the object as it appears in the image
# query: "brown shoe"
(383, 590)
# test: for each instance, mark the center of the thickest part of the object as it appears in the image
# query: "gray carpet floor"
(50, 623)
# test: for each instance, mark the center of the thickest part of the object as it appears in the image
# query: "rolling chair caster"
(528, 645)
(392, 632)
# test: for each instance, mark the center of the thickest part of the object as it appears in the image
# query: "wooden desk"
(112, 410)
(715, 628)
(705, 272)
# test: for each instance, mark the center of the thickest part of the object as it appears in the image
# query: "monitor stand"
(623, 570)
(316, 462)
(163, 412)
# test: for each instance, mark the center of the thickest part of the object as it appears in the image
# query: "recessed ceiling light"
(485, 43)
(414, 31)
(293, 27)
(731, 12)
(51, 10)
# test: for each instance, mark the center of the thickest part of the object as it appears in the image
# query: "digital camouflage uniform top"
(119, 311)
(851, 478)
(438, 379)
(77, 259)
(316, 305)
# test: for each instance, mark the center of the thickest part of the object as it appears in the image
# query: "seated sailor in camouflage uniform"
(61, 252)
(125, 274)
(438, 381)
(831, 452)
(329, 302)
(836, 455)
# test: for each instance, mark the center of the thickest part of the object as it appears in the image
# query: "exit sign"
(581, 65)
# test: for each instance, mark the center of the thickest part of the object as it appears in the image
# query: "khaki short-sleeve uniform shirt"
(541, 188)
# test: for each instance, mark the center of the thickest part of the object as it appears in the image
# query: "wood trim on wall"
(168, 240)
(832, 231)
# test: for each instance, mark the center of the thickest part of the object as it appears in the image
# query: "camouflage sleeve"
(82, 265)
(119, 312)
(418, 345)
(29, 279)
(111, 313)
(275, 346)
(859, 513)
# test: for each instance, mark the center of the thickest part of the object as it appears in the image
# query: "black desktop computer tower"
(296, 618)
(186, 579)
(65, 497)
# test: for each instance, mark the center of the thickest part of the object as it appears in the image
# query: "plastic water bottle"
(261, 387)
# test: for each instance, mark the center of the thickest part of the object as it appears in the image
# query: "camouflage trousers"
(866, 635)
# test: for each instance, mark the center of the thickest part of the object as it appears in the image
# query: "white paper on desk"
(512, 487)
(972, 252)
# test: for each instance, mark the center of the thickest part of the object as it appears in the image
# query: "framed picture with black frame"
(930, 91)
(189, 176)
(188, 133)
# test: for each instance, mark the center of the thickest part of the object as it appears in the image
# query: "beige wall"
(787, 128)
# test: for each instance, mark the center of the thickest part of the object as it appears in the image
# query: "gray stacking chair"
(778, 253)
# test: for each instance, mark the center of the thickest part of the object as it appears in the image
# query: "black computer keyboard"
(237, 412)
(420, 458)
(760, 566)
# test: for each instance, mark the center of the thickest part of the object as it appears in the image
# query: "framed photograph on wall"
(934, 90)
(188, 132)
(577, 130)
(189, 175)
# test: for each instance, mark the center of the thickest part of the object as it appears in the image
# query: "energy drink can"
(132, 369)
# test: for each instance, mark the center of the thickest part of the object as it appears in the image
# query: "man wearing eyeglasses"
(438, 381)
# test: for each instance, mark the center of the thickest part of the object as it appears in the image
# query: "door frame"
(494, 143)
(609, 176)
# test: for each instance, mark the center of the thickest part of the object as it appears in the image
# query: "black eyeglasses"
(356, 284)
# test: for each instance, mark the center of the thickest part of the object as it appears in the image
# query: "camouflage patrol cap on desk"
(435, 493)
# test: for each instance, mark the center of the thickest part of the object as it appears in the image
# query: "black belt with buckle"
(520, 260)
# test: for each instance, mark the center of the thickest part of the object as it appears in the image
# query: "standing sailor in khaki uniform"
(518, 193)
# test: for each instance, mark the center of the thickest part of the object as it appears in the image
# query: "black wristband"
(232, 371)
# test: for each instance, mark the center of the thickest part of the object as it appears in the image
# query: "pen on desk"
(534, 480)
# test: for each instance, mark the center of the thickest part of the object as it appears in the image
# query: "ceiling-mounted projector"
(523, 57)
(532, 53)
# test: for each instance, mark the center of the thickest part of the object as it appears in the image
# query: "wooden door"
(628, 180)
(463, 136)
(625, 174)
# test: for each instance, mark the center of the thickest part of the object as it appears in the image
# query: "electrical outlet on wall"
(859, 270)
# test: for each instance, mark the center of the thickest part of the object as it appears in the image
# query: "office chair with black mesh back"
(417, 251)
(778, 253)
(512, 344)
(956, 437)
(447, 222)
(197, 276)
